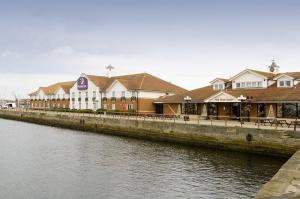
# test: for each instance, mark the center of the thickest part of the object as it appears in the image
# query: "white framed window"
(86, 105)
(113, 94)
(281, 83)
(248, 84)
(133, 94)
(113, 106)
(259, 84)
(254, 84)
(288, 83)
(94, 94)
(129, 106)
(95, 106)
(86, 94)
(73, 95)
(238, 85)
(243, 84)
(79, 105)
(79, 94)
(123, 93)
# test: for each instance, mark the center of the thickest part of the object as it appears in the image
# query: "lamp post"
(187, 100)
(241, 98)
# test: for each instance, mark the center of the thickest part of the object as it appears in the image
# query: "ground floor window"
(189, 108)
(79, 105)
(213, 109)
(129, 106)
(86, 105)
(113, 107)
(261, 110)
(95, 105)
(288, 110)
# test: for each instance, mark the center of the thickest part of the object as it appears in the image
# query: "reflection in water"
(45, 162)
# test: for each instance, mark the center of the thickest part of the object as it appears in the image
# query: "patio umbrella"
(271, 112)
(204, 111)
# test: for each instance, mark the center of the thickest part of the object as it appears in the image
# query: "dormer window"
(218, 86)
(285, 83)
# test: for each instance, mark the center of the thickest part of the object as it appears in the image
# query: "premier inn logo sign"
(82, 83)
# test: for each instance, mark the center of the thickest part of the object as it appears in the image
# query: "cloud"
(8, 53)
(63, 50)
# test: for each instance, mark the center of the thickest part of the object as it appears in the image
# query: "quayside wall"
(265, 141)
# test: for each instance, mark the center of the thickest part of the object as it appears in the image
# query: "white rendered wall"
(250, 77)
(284, 78)
(91, 87)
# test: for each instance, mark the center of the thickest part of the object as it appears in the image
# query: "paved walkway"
(229, 123)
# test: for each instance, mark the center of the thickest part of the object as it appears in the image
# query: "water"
(44, 162)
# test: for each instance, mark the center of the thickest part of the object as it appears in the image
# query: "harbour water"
(45, 162)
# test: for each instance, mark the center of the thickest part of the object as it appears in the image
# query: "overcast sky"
(183, 41)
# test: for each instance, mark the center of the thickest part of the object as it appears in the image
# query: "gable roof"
(140, 81)
(270, 94)
(50, 90)
(261, 73)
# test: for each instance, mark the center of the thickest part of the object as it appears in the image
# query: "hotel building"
(135, 92)
(54, 96)
(250, 93)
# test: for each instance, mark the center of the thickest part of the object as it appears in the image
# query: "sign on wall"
(82, 83)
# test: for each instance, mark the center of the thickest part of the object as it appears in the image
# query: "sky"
(186, 42)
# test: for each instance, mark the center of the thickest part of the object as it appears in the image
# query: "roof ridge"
(140, 87)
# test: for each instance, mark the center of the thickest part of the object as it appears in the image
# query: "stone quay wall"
(271, 142)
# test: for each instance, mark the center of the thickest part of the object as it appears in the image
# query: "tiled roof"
(50, 90)
(266, 74)
(270, 94)
(141, 81)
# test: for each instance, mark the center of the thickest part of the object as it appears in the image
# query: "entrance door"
(159, 108)
(235, 110)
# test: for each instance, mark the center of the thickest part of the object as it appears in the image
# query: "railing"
(245, 122)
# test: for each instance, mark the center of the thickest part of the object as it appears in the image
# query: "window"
(216, 87)
(221, 86)
(279, 110)
(281, 83)
(113, 106)
(133, 94)
(79, 94)
(94, 94)
(129, 106)
(123, 93)
(95, 106)
(73, 95)
(243, 84)
(114, 94)
(288, 83)
(238, 85)
(261, 110)
(254, 84)
(259, 84)
(79, 105)
(290, 110)
(86, 105)
(248, 84)
(86, 94)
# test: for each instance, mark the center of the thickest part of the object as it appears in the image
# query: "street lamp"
(187, 100)
(241, 98)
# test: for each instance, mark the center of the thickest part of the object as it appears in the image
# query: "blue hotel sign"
(82, 83)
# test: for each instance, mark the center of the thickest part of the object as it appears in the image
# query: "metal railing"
(227, 121)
